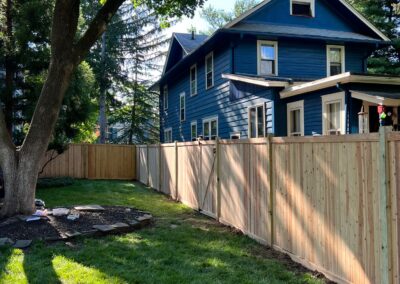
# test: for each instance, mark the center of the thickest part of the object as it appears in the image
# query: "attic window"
(304, 8)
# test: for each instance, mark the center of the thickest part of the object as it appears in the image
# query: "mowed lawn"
(181, 247)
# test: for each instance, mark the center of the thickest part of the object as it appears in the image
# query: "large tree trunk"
(10, 67)
(21, 165)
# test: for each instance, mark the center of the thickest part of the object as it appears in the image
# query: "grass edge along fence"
(331, 203)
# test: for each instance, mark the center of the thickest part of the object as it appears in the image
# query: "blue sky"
(200, 24)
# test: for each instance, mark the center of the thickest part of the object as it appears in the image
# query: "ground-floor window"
(168, 135)
(210, 128)
(295, 118)
(257, 121)
(235, 135)
(193, 130)
(334, 115)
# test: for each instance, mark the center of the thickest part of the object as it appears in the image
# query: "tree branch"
(96, 28)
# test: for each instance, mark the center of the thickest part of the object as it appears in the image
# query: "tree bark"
(21, 165)
(102, 99)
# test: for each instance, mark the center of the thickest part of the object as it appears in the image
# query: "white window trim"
(191, 125)
(180, 106)
(169, 129)
(343, 52)
(209, 119)
(235, 134)
(299, 105)
(337, 97)
(165, 97)
(249, 123)
(195, 79)
(312, 3)
(275, 44)
(211, 54)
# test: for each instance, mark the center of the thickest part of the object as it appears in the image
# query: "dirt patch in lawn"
(52, 228)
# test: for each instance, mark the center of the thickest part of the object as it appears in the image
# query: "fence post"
(176, 171)
(271, 189)
(383, 203)
(147, 165)
(159, 167)
(218, 171)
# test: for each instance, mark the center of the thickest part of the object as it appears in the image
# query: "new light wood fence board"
(93, 162)
(326, 191)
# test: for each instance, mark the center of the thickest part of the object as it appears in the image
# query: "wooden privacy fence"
(93, 161)
(329, 202)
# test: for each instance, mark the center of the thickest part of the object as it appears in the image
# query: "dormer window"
(304, 8)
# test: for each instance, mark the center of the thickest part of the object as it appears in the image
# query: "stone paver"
(104, 228)
(90, 208)
(6, 242)
(22, 244)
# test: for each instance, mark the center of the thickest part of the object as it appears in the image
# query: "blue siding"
(278, 12)
(232, 115)
(298, 59)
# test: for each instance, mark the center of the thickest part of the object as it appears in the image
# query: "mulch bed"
(53, 228)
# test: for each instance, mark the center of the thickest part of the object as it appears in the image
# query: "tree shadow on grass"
(158, 255)
(5, 255)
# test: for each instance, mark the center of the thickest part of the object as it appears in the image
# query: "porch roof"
(333, 81)
(388, 97)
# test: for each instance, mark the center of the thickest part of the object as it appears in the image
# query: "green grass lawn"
(195, 250)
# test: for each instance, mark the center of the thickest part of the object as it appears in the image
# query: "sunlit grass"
(197, 251)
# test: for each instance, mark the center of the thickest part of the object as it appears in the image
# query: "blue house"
(286, 68)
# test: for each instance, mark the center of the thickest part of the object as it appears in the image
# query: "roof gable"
(335, 15)
(181, 45)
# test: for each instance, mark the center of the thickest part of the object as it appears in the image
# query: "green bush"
(54, 182)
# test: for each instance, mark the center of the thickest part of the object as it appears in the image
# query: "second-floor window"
(210, 128)
(335, 60)
(257, 121)
(182, 107)
(267, 58)
(193, 80)
(165, 97)
(209, 70)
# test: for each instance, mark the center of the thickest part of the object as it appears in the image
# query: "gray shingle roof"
(188, 43)
(299, 32)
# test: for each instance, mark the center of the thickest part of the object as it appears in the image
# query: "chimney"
(192, 34)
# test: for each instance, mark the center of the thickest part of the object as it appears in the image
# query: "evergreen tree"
(385, 16)
(125, 70)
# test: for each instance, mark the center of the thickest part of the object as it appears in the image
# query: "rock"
(73, 217)
(73, 234)
(146, 217)
(22, 244)
(6, 242)
(135, 224)
(60, 211)
(89, 232)
(89, 208)
(122, 227)
(40, 203)
(173, 226)
(104, 228)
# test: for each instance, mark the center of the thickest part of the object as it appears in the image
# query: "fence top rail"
(371, 137)
(394, 136)
(101, 145)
